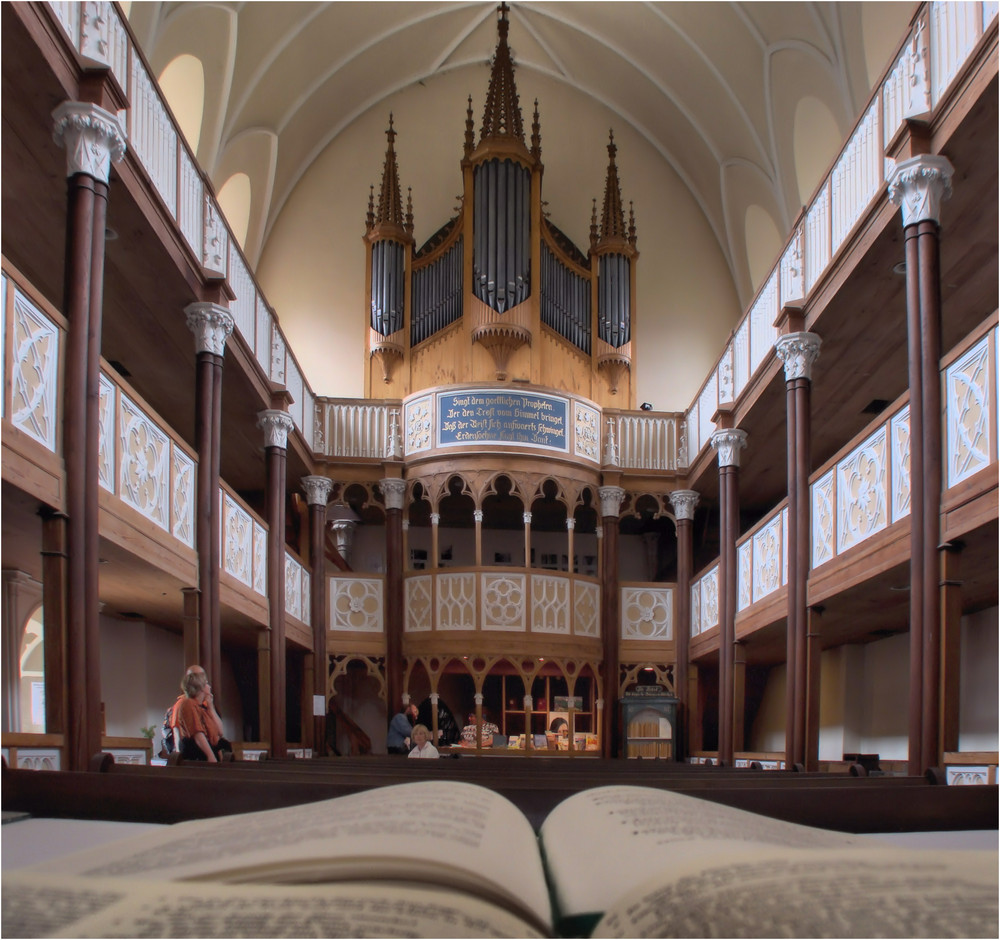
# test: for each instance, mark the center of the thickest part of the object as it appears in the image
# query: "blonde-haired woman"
(422, 744)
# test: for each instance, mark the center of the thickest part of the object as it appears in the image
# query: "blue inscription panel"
(493, 416)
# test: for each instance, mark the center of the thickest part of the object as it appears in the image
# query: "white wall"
(141, 669)
(865, 696)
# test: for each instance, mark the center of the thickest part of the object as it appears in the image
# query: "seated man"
(469, 732)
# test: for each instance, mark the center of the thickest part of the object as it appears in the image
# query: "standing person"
(397, 741)
(422, 745)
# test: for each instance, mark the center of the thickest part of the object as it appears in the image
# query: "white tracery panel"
(696, 608)
(279, 352)
(456, 601)
(587, 422)
(741, 357)
(708, 601)
(182, 502)
(306, 617)
(503, 602)
(862, 497)
(106, 435)
(293, 587)
(237, 529)
(767, 559)
(419, 420)
(744, 566)
(823, 529)
(549, 604)
(419, 613)
(215, 252)
(34, 373)
(968, 396)
(356, 604)
(647, 613)
(144, 471)
(260, 559)
(817, 236)
(967, 776)
(586, 608)
(899, 448)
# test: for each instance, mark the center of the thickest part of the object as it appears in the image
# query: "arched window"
(183, 85)
(763, 243)
(32, 672)
(816, 142)
(234, 200)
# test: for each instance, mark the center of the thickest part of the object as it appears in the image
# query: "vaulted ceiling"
(726, 117)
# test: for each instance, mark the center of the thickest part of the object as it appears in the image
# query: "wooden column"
(56, 617)
(951, 643)
(798, 351)
(728, 442)
(394, 491)
(684, 503)
(93, 140)
(192, 625)
(526, 517)
(211, 325)
(276, 425)
(611, 500)
(919, 185)
(317, 490)
(813, 688)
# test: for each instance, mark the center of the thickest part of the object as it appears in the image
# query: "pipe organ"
(500, 294)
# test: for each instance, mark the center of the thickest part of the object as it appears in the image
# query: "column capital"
(317, 489)
(276, 426)
(570, 523)
(93, 138)
(919, 185)
(728, 442)
(798, 351)
(211, 325)
(477, 516)
(611, 499)
(526, 518)
(394, 491)
(435, 518)
(684, 502)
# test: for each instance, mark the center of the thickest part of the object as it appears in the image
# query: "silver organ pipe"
(388, 272)
(502, 251)
(565, 301)
(614, 303)
(437, 295)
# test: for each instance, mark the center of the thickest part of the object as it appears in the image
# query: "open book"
(449, 859)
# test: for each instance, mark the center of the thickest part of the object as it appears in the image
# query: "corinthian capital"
(798, 351)
(919, 185)
(276, 426)
(93, 138)
(611, 499)
(684, 502)
(317, 489)
(728, 442)
(394, 491)
(211, 325)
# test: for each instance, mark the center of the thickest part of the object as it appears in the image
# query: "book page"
(816, 893)
(37, 905)
(604, 842)
(437, 832)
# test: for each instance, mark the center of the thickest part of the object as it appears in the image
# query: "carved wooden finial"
(502, 115)
(536, 135)
(390, 203)
(593, 226)
(370, 218)
(470, 131)
(409, 210)
(631, 223)
(613, 216)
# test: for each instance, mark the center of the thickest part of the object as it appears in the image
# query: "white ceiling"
(721, 111)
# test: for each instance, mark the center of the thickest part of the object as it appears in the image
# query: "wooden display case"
(649, 722)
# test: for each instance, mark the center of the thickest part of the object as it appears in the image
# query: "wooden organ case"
(499, 293)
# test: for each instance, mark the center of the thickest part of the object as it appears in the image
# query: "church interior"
(617, 380)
